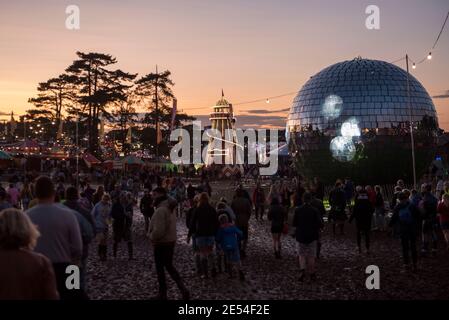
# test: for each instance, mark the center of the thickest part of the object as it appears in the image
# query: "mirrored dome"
(360, 102)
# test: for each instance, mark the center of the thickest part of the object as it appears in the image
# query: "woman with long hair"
(277, 216)
(204, 225)
(24, 274)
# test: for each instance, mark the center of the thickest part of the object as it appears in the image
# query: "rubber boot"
(199, 270)
(130, 251)
(241, 275)
(219, 263)
(114, 248)
(205, 268)
(102, 252)
(184, 292)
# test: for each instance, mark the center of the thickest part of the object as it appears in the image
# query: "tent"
(132, 160)
(90, 160)
(113, 164)
(5, 159)
(4, 155)
(56, 153)
(27, 146)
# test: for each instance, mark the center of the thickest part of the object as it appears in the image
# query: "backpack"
(405, 215)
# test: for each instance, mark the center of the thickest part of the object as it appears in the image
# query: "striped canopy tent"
(56, 153)
(113, 164)
(28, 146)
(5, 159)
(132, 160)
(5, 155)
(90, 160)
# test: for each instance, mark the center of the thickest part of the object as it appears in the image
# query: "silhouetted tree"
(97, 88)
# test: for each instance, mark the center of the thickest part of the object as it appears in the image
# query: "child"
(227, 239)
(102, 214)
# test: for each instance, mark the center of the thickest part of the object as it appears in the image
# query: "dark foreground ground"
(341, 271)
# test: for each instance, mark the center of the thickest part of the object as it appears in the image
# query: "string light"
(414, 65)
(268, 101)
(429, 57)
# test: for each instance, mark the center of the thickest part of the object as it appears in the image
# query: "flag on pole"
(102, 128)
(59, 134)
(173, 113)
(129, 136)
(13, 124)
(158, 133)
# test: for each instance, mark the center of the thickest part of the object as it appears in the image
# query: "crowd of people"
(46, 226)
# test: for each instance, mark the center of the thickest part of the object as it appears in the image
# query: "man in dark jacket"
(308, 223)
(406, 215)
(363, 214)
(146, 208)
(337, 201)
(318, 204)
(87, 229)
(241, 206)
(428, 207)
(121, 225)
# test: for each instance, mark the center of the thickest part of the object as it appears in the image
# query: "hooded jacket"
(163, 223)
(242, 209)
(308, 223)
(228, 236)
(406, 228)
(363, 212)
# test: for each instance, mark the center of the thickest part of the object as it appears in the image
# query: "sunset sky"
(253, 49)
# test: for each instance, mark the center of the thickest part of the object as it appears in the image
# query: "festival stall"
(6, 160)
(113, 164)
(90, 160)
(132, 162)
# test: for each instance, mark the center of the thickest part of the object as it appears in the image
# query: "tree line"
(91, 88)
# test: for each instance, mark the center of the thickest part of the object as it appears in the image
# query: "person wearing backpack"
(406, 216)
(362, 213)
(443, 213)
(338, 202)
(428, 207)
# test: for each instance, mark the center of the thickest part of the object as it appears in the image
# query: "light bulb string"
(441, 31)
(267, 99)
(429, 56)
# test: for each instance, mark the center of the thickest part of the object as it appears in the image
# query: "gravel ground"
(341, 271)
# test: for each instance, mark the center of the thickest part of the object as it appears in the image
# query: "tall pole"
(25, 147)
(412, 140)
(157, 113)
(77, 150)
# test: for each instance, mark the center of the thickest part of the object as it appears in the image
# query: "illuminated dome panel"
(343, 113)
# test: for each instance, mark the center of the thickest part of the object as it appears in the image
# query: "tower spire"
(222, 93)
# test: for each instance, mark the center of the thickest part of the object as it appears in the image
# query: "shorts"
(102, 236)
(124, 234)
(445, 226)
(276, 229)
(307, 250)
(244, 231)
(232, 255)
(204, 242)
(194, 246)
